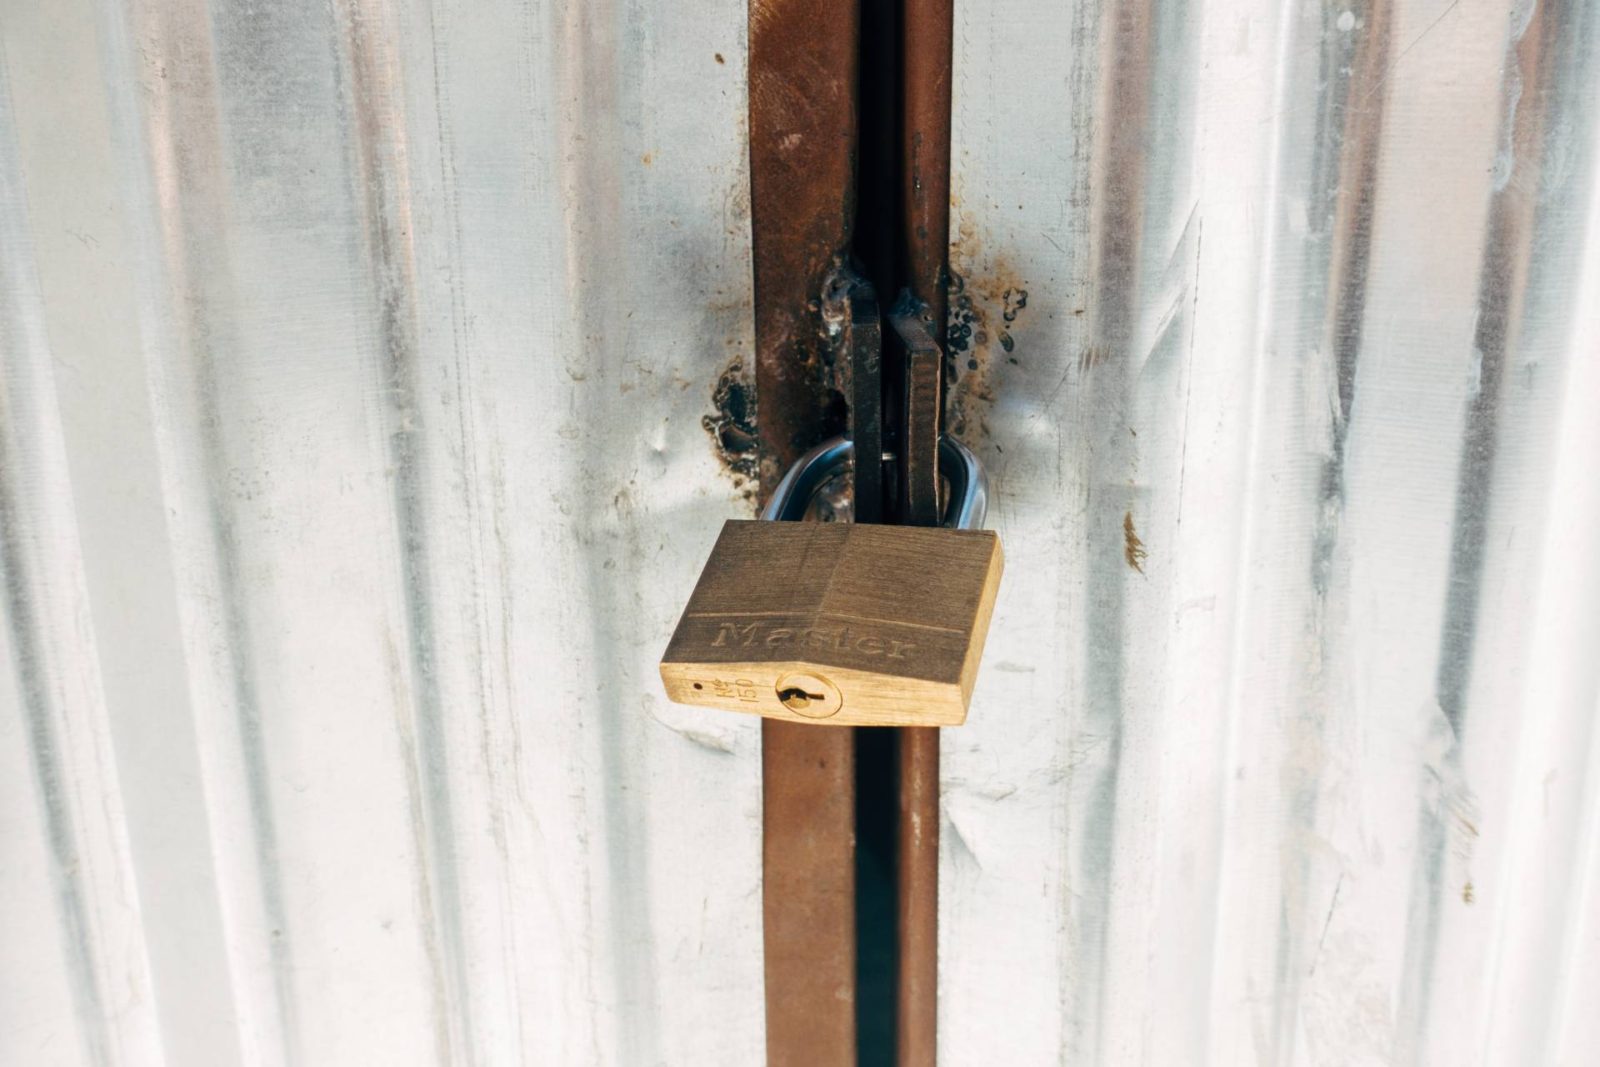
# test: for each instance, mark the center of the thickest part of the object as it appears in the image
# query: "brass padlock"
(839, 623)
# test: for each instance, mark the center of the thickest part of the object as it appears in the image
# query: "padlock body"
(837, 623)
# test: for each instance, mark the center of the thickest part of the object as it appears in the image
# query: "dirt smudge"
(979, 336)
(732, 426)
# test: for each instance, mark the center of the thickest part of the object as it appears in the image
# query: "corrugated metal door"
(353, 472)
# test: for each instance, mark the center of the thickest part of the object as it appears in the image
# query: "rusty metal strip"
(808, 892)
(802, 204)
(917, 867)
(861, 357)
(802, 84)
(917, 992)
(918, 457)
(926, 81)
(925, 132)
(851, 307)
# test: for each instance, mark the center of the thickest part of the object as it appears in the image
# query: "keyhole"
(796, 699)
(808, 695)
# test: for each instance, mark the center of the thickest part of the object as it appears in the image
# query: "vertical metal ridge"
(79, 935)
(590, 71)
(381, 166)
(571, 25)
(1107, 371)
(182, 137)
(1343, 175)
(1541, 888)
(50, 663)
(1543, 52)
(1344, 167)
(1564, 678)
(23, 593)
(1267, 248)
(466, 486)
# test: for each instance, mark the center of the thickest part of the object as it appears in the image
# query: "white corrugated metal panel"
(352, 475)
(1307, 772)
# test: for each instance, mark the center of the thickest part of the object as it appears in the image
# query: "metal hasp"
(803, 74)
(851, 315)
(816, 79)
(919, 321)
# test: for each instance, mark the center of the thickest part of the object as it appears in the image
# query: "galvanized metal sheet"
(354, 474)
(1283, 334)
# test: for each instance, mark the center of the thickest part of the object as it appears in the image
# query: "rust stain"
(1132, 548)
(985, 304)
(732, 426)
(1013, 301)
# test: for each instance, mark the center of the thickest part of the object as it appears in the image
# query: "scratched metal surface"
(352, 476)
(1285, 748)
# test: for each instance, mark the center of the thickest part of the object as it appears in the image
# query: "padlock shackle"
(793, 495)
(969, 486)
